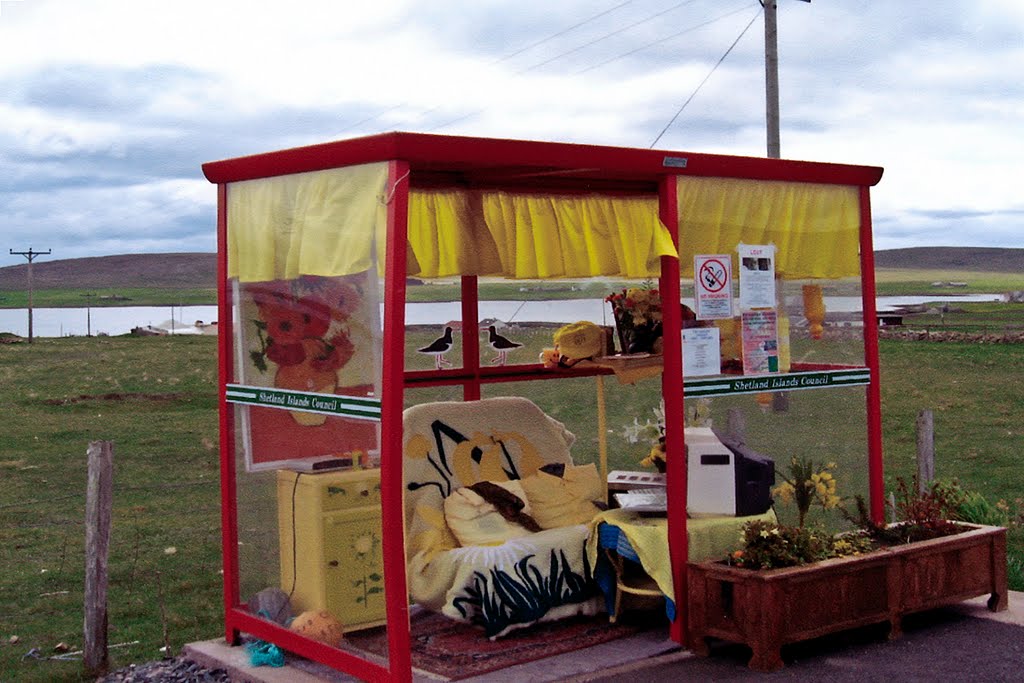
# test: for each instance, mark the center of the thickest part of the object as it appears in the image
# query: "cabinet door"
(354, 572)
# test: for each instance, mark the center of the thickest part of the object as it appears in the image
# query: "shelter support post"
(392, 398)
(470, 337)
(672, 392)
(876, 486)
(228, 485)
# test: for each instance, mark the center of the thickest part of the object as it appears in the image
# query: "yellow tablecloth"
(709, 538)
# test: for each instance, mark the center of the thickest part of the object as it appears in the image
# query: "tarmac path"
(940, 645)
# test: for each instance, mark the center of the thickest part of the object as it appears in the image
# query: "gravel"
(176, 670)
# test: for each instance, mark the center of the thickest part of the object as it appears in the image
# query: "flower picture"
(301, 334)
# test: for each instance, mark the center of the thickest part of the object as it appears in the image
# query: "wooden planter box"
(765, 609)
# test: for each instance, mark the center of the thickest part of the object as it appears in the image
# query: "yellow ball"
(319, 625)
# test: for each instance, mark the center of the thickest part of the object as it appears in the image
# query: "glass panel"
(773, 358)
(433, 324)
(306, 390)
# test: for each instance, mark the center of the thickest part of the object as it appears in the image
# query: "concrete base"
(616, 657)
(581, 665)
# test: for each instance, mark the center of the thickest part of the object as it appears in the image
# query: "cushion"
(474, 521)
(566, 500)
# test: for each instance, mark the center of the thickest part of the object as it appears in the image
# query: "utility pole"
(88, 313)
(30, 255)
(771, 76)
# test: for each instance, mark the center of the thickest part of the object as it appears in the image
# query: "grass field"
(125, 296)
(155, 399)
(890, 282)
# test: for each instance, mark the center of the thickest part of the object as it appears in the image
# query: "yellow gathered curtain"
(333, 222)
(815, 227)
(318, 223)
(516, 235)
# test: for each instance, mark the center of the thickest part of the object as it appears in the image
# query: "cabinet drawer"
(344, 495)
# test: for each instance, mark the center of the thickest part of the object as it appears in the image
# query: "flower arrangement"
(651, 432)
(807, 484)
(767, 545)
(698, 414)
(637, 312)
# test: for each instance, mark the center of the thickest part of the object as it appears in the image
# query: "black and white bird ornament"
(500, 344)
(438, 348)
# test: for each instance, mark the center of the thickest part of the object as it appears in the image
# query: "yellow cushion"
(566, 500)
(474, 521)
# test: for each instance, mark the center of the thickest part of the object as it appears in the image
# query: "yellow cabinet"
(330, 534)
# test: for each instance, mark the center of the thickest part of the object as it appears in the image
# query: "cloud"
(110, 108)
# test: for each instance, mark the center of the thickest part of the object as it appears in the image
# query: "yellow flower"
(363, 544)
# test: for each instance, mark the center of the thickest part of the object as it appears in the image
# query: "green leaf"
(375, 589)
(375, 577)
(258, 360)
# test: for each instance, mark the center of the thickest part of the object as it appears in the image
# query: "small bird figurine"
(438, 348)
(501, 345)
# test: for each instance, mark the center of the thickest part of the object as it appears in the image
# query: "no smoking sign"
(713, 286)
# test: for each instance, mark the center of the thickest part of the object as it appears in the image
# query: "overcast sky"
(108, 107)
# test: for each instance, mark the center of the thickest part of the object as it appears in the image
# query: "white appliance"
(711, 474)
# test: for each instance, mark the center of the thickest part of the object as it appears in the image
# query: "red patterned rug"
(456, 650)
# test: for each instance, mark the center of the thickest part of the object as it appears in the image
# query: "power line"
(642, 47)
(665, 39)
(697, 89)
(562, 32)
(606, 36)
(498, 61)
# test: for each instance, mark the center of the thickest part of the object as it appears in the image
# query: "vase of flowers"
(637, 313)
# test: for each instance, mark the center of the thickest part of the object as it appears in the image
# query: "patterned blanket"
(513, 582)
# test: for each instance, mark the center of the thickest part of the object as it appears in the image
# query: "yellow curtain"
(448, 236)
(460, 232)
(320, 223)
(815, 227)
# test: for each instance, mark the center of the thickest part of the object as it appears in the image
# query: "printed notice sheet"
(760, 342)
(757, 276)
(702, 354)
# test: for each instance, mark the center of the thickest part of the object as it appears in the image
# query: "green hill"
(974, 259)
(127, 271)
(199, 270)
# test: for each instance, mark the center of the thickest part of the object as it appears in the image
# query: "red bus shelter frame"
(438, 161)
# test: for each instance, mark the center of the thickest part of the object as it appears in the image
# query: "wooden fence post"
(925, 450)
(98, 503)
(736, 425)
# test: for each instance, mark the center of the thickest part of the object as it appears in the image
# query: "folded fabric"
(475, 521)
(562, 501)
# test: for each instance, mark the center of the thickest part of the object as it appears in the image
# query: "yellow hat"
(580, 340)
